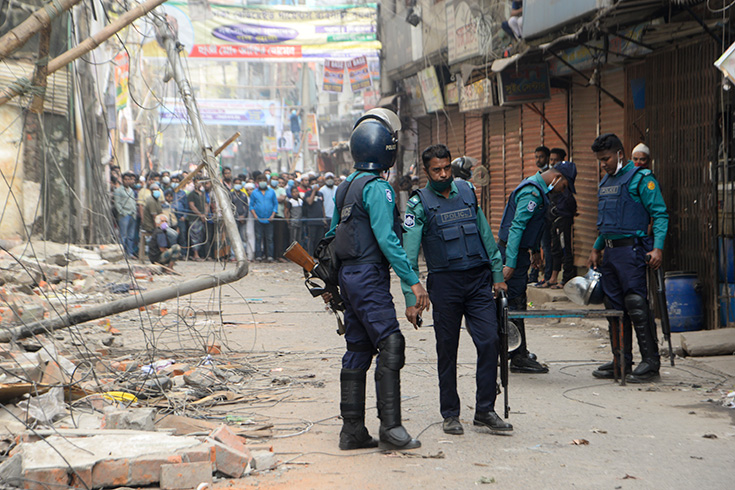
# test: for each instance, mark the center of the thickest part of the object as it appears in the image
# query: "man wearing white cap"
(328, 191)
(641, 156)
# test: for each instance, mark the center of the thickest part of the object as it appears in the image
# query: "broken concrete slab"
(709, 342)
(185, 475)
(130, 419)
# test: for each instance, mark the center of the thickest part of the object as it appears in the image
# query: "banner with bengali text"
(334, 76)
(359, 74)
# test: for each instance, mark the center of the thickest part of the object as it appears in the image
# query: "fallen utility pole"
(201, 166)
(195, 285)
(21, 85)
(37, 21)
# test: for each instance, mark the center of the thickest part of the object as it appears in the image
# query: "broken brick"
(231, 462)
(185, 475)
(111, 473)
(225, 435)
(147, 469)
(42, 479)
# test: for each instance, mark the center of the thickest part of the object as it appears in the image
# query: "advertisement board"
(431, 90)
(529, 83)
(284, 32)
(223, 112)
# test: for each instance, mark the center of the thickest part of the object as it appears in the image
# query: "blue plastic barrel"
(727, 304)
(726, 259)
(684, 301)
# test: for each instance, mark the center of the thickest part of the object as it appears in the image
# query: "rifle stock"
(665, 325)
(502, 311)
(296, 254)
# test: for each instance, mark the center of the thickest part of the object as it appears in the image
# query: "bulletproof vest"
(451, 239)
(617, 212)
(355, 242)
(535, 225)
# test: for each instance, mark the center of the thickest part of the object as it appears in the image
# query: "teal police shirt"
(528, 202)
(413, 226)
(644, 188)
(379, 201)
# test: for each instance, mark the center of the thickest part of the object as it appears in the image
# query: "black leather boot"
(388, 385)
(353, 435)
(648, 369)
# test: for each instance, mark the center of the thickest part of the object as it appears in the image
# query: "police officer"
(543, 163)
(629, 198)
(462, 168)
(367, 230)
(464, 267)
(520, 232)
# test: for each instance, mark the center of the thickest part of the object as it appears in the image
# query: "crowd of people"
(271, 209)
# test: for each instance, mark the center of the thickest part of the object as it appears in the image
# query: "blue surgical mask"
(156, 194)
(238, 187)
(274, 183)
(263, 184)
(164, 226)
(441, 186)
(291, 183)
(137, 186)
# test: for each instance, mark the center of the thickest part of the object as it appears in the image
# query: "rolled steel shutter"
(532, 137)
(585, 124)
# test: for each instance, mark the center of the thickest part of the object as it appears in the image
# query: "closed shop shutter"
(513, 157)
(425, 128)
(585, 120)
(532, 134)
(555, 111)
(612, 115)
(473, 142)
(455, 132)
(495, 199)
(635, 119)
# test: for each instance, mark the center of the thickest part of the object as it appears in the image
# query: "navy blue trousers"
(370, 315)
(624, 272)
(469, 294)
(517, 299)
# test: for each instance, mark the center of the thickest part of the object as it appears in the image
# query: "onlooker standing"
(197, 219)
(263, 207)
(172, 229)
(280, 227)
(181, 206)
(313, 215)
(562, 209)
(124, 198)
(328, 192)
(151, 208)
(250, 248)
(293, 215)
(543, 154)
(641, 155)
(242, 206)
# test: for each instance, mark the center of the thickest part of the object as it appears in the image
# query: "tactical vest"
(535, 225)
(355, 242)
(617, 212)
(451, 239)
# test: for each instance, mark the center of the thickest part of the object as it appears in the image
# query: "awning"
(388, 100)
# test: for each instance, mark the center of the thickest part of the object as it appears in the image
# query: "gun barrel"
(665, 325)
(296, 254)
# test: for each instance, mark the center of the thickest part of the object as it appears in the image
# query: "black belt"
(622, 242)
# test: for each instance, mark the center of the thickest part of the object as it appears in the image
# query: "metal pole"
(188, 287)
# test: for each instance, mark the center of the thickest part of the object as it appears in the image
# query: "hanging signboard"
(125, 125)
(430, 88)
(451, 93)
(122, 68)
(334, 75)
(359, 74)
(524, 84)
(312, 132)
(415, 96)
(270, 148)
(224, 112)
(476, 96)
(284, 32)
(463, 34)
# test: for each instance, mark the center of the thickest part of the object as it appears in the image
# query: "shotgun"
(312, 272)
(663, 308)
(503, 329)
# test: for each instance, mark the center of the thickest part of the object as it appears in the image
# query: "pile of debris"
(101, 421)
(37, 278)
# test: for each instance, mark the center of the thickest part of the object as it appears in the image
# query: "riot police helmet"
(462, 167)
(374, 140)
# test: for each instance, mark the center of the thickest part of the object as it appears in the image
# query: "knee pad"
(637, 307)
(392, 351)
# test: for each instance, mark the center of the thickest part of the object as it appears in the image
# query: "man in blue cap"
(520, 233)
(629, 200)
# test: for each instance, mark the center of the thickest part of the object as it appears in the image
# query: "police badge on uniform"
(409, 221)
(388, 195)
(531, 206)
